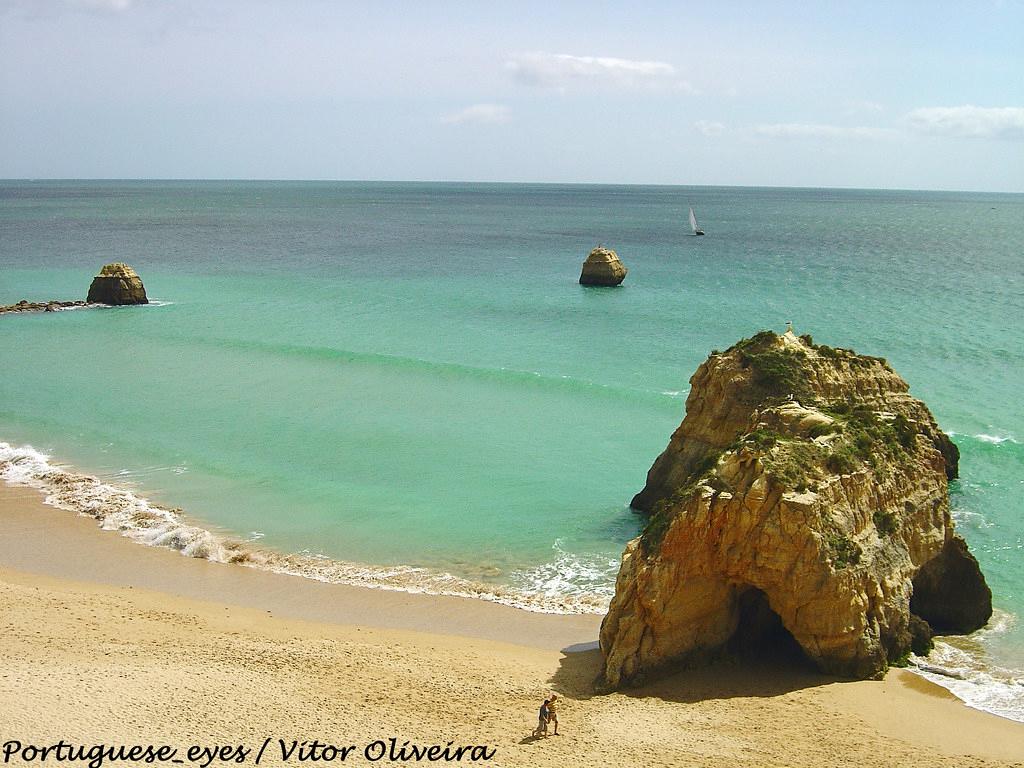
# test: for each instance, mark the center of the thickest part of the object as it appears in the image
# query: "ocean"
(403, 384)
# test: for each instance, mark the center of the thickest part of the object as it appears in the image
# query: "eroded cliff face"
(802, 495)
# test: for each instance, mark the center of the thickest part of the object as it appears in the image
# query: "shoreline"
(120, 508)
(110, 642)
(57, 493)
(44, 540)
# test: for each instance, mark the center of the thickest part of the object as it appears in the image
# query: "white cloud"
(478, 113)
(820, 131)
(51, 8)
(104, 5)
(709, 127)
(559, 70)
(970, 121)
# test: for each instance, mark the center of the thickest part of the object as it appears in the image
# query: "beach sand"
(106, 641)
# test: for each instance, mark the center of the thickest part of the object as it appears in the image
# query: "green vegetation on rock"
(795, 463)
(885, 522)
(867, 439)
(844, 551)
(662, 514)
(665, 510)
(777, 373)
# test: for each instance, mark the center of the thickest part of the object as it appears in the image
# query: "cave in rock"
(760, 633)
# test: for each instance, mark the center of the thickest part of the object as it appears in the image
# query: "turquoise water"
(409, 374)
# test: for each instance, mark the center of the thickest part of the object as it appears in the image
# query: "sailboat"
(693, 224)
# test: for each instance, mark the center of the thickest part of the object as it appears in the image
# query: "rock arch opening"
(760, 634)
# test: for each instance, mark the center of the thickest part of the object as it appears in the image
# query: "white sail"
(693, 221)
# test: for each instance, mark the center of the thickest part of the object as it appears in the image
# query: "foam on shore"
(960, 664)
(120, 509)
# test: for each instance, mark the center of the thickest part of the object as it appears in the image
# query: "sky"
(908, 95)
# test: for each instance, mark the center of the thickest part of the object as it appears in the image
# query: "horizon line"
(510, 183)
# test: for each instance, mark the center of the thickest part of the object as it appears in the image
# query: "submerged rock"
(602, 267)
(40, 306)
(117, 284)
(803, 501)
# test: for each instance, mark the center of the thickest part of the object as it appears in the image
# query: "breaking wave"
(995, 439)
(961, 665)
(570, 574)
(984, 437)
(120, 509)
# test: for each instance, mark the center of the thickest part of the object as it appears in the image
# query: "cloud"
(479, 114)
(709, 127)
(559, 70)
(51, 8)
(103, 5)
(820, 131)
(970, 121)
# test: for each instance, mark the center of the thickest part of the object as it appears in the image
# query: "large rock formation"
(802, 500)
(117, 284)
(602, 267)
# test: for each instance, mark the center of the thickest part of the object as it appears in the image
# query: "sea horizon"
(330, 180)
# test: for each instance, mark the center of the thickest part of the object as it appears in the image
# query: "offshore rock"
(603, 267)
(40, 306)
(117, 284)
(801, 503)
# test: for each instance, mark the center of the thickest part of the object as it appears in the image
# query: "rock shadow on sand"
(769, 667)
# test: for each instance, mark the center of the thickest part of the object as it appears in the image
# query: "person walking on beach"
(542, 723)
(552, 714)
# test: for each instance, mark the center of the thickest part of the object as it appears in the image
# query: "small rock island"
(803, 501)
(117, 284)
(603, 267)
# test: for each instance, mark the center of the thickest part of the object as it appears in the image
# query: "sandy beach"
(109, 642)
